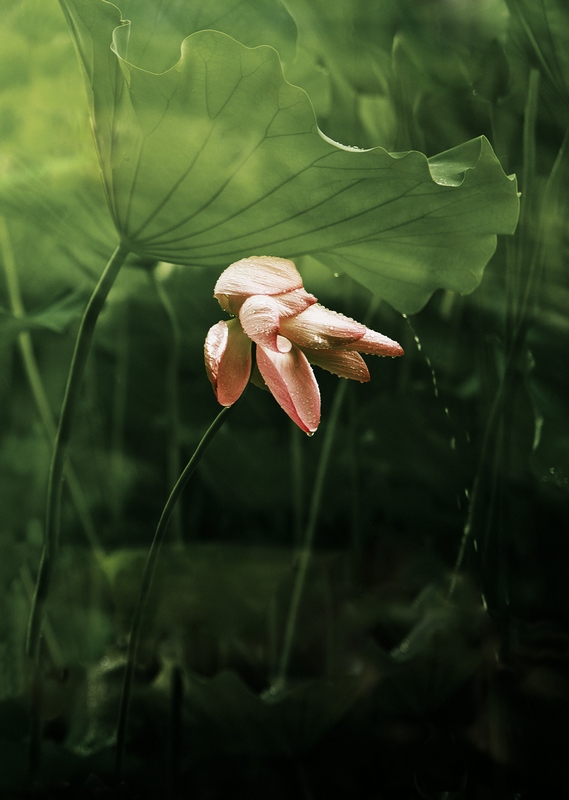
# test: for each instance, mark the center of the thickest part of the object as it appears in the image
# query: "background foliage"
(406, 674)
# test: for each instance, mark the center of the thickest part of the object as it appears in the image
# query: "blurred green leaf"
(286, 724)
(540, 38)
(56, 317)
(158, 32)
(351, 37)
(59, 230)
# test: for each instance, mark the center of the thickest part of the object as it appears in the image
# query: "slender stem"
(55, 483)
(37, 387)
(146, 581)
(536, 263)
(515, 272)
(305, 553)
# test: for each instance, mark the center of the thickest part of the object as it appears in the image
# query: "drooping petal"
(265, 275)
(261, 315)
(259, 318)
(227, 353)
(292, 383)
(318, 328)
(344, 363)
(376, 344)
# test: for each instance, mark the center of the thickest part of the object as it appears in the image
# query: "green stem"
(146, 581)
(304, 555)
(55, 483)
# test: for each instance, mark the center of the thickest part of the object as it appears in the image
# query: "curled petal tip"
(376, 344)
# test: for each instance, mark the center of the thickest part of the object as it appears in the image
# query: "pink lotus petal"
(261, 316)
(293, 385)
(376, 344)
(227, 353)
(265, 275)
(318, 328)
(344, 363)
(292, 303)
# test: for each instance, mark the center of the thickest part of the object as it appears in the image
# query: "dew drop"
(310, 433)
(433, 376)
(336, 274)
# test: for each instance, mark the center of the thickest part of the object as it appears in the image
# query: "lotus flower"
(291, 331)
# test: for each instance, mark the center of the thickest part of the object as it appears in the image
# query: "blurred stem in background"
(157, 276)
(37, 388)
(499, 461)
(119, 415)
(304, 552)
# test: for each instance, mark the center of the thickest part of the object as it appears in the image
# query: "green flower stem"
(304, 554)
(37, 387)
(146, 582)
(55, 483)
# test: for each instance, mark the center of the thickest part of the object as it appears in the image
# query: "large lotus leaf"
(219, 158)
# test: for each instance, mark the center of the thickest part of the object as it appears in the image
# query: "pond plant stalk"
(146, 582)
(56, 476)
